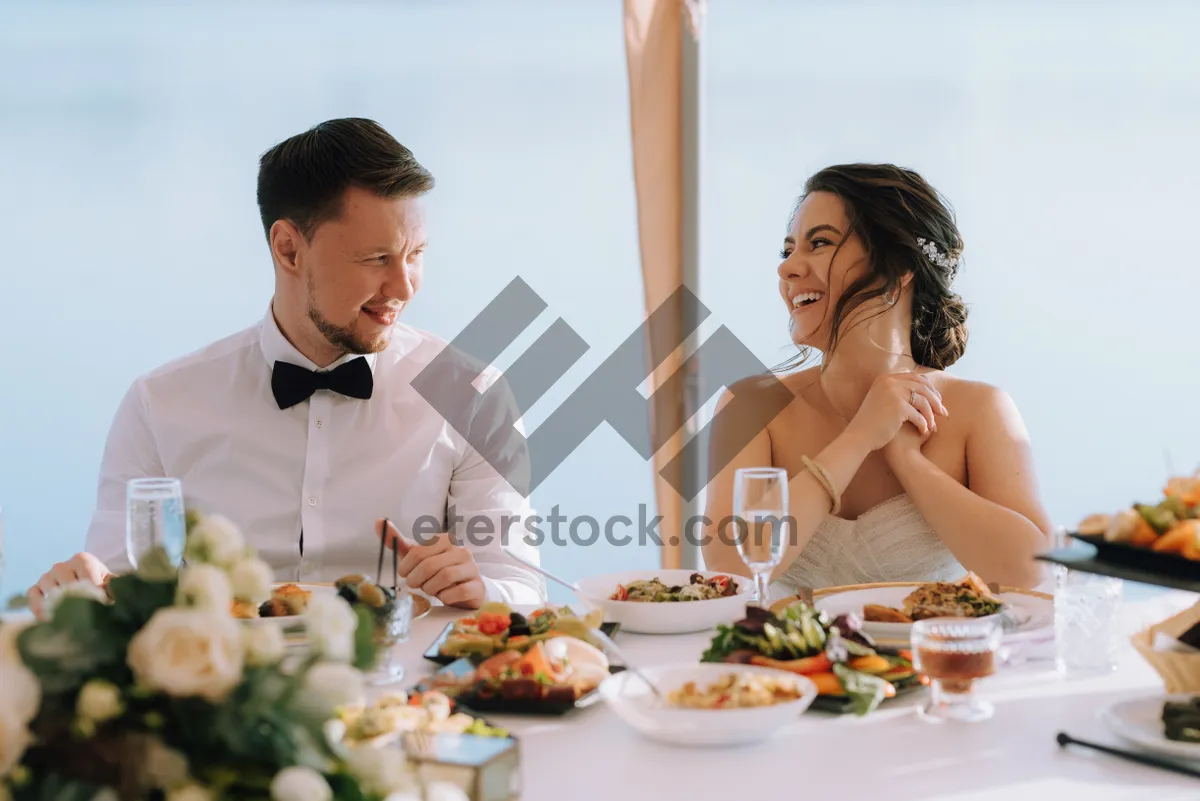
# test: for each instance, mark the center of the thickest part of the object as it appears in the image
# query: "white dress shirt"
(330, 466)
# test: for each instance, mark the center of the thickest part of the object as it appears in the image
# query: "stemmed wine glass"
(155, 527)
(760, 505)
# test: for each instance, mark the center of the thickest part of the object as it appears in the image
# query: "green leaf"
(364, 638)
(345, 788)
(155, 565)
(864, 691)
(135, 599)
(81, 641)
(54, 787)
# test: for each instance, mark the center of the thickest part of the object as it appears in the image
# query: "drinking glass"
(154, 520)
(760, 503)
(953, 653)
(392, 627)
(1086, 638)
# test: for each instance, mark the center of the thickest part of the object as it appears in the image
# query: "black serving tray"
(1091, 553)
(471, 703)
(433, 655)
(839, 705)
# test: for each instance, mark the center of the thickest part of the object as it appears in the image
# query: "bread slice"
(874, 613)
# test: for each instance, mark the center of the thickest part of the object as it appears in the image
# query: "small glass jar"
(393, 624)
(954, 653)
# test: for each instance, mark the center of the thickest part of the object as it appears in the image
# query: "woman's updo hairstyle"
(905, 226)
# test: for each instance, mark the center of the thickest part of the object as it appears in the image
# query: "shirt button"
(319, 424)
(312, 501)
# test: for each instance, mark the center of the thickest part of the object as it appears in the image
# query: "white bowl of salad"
(709, 704)
(669, 601)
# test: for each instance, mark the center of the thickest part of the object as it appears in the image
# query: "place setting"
(718, 663)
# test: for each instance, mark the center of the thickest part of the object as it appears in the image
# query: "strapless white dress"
(889, 542)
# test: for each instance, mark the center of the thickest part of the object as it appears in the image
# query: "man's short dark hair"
(303, 178)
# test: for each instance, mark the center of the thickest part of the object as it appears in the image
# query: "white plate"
(673, 617)
(1025, 615)
(634, 703)
(293, 625)
(1139, 721)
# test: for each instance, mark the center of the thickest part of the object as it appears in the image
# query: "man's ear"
(285, 241)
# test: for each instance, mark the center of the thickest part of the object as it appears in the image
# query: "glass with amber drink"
(954, 654)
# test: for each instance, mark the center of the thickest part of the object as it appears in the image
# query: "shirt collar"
(275, 347)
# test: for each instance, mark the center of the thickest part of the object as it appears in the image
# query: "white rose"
(444, 791)
(330, 624)
(163, 768)
(299, 783)
(330, 685)
(185, 652)
(215, 540)
(98, 701)
(251, 579)
(382, 771)
(205, 587)
(263, 644)
(190, 792)
(20, 697)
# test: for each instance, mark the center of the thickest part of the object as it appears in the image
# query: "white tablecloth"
(891, 754)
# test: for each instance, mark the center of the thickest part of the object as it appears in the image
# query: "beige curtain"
(653, 47)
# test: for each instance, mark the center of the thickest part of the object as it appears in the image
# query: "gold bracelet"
(822, 477)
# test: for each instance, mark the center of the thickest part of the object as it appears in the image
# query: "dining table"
(891, 753)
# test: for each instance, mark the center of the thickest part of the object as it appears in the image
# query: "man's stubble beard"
(342, 337)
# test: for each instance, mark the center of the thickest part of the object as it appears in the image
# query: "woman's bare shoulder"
(976, 398)
(768, 389)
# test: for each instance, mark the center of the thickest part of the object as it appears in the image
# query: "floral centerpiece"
(153, 690)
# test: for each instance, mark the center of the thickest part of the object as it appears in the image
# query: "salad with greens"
(654, 590)
(836, 655)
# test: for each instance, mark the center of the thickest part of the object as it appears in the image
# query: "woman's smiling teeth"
(805, 298)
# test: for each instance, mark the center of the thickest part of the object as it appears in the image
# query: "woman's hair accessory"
(936, 256)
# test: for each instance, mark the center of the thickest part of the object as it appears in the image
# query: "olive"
(371, 595)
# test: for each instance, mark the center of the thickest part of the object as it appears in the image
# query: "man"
(305, 429)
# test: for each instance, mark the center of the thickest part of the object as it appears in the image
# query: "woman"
(897, 470)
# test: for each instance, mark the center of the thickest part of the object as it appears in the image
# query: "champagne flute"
(154, 521)
(760, 503)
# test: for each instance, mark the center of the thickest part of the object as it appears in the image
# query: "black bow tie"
(293, 384)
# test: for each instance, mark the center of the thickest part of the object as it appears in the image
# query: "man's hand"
(80, 567)
(442, 569)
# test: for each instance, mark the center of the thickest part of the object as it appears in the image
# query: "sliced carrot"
(1144, 534)
(1178, 538)
(808, 665)
(827, 684)
(897, 674)
(870, 664)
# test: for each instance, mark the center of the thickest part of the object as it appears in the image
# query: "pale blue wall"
(129, 138)
(128, 233)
